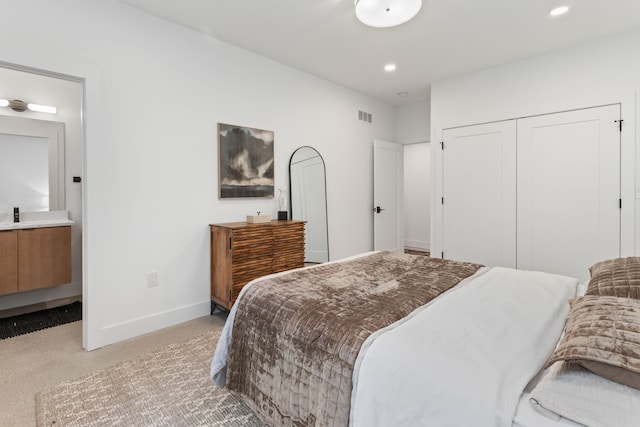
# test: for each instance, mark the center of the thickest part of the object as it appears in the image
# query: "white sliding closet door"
(479, 194)
(568, 190)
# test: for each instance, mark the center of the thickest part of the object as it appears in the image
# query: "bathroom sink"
(38, 221)
(34, 224)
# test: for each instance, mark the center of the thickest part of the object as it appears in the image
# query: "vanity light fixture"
(42, 108)
(386, 13)
(20, 106)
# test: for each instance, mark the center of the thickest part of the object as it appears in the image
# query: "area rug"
(168, 387)
(43, 319)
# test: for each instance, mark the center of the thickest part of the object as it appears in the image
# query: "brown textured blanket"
(296, 336)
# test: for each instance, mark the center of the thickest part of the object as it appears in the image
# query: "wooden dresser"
(241, 252)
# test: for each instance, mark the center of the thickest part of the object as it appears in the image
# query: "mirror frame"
(326, 213)
(54, 133)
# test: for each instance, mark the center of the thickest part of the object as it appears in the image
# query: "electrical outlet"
(152, 279)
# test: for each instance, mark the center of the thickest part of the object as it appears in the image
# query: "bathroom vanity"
(35, 253)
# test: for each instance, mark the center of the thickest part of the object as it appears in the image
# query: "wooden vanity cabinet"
(241, 252)
(8, 262)
(34, 258)
(44, 257)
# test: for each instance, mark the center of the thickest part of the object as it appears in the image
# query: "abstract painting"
(245, 162)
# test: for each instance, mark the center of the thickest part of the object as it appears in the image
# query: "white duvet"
(465, 359)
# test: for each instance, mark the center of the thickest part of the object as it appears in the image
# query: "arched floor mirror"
(307, 184)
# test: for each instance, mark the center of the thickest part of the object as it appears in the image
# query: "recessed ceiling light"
(559, 11)
(390, 67)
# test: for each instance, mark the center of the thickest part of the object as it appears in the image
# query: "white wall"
(596, 73)
(413, 123)
(66, 96)
(154, 94)
(417, 203)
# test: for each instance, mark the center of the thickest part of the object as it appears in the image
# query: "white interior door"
(479, 194)
(569, 190)
(387, 196)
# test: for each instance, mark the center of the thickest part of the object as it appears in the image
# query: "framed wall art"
(245, 162)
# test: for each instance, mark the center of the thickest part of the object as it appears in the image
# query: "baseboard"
(35, 297)
(417, 245)
(122, 331)
(16, 311)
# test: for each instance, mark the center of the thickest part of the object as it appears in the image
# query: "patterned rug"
(43, 319)
(168, 387)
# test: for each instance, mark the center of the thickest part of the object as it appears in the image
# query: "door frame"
(88, 75)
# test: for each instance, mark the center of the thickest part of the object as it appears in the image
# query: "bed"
(385, 339)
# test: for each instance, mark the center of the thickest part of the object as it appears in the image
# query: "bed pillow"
(569, 391)
(603, 335)
(619, 277)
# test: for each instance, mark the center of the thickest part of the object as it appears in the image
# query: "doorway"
(388, 228)
(417, 197)
(67, 95)
(406, 171)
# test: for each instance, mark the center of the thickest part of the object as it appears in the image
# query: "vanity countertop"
(39, 220)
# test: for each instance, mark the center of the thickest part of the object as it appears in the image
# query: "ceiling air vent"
(364, 117)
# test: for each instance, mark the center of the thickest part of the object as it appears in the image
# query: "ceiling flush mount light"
(21, 106)
(390, 67)
(386, 13)
(559, 11)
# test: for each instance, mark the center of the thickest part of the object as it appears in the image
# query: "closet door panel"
(568, 190)
(479, 190)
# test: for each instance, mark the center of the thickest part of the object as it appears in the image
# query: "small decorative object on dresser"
(241, 252)
(283, 212)
(252, 219)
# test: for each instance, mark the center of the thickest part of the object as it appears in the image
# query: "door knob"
(377, 209)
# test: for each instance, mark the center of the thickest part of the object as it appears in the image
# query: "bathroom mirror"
(307, 184)
(31, 165)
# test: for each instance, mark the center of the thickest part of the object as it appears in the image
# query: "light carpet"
(168, 387)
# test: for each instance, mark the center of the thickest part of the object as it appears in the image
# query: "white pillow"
(570, 391)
